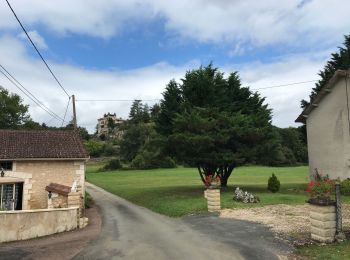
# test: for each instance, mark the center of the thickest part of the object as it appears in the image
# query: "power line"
(42, 58)
(130, 100)
(115, 100)
(285, 85)
(36, 100)
(26, 92)
(65, 113)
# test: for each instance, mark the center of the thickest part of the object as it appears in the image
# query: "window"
(11, 196)
(6, 165)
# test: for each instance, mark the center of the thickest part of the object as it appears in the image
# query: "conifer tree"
(339, 61)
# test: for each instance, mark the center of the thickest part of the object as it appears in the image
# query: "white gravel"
(286, 219)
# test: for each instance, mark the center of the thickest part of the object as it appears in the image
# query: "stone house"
(31, 161)
(109, 126)
(327, 121)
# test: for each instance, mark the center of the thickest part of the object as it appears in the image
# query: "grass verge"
(336, 251)
(178, 192)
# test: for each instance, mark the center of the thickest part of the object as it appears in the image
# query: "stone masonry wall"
(26, 224)
(39, 174)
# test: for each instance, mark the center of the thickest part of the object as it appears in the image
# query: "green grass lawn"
(326, 252)
(178, 192)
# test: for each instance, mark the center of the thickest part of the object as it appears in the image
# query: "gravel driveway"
(133, 232)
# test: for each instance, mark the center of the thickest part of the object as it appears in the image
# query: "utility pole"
(74, 113)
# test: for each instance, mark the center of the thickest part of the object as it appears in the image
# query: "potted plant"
(321, 190)
(322, 208)
(212, 182)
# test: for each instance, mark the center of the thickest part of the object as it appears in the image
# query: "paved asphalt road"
(133, 232)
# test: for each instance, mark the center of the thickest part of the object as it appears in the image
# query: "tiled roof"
(58, 188)
(41, 144)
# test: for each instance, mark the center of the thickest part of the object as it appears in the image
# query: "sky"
(130, 49)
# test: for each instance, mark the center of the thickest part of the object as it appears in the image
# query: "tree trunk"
(201, 174)
(226, 173)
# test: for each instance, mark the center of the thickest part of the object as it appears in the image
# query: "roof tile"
(37, 144)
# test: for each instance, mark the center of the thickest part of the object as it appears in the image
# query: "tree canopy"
(13, 113)
(214, 123)
(339, 60)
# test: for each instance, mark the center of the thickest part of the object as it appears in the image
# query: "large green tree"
(139, 113)
(339, 61)
(214, 123)
(13, 113)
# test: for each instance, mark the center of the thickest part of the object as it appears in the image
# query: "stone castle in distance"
(109, 126)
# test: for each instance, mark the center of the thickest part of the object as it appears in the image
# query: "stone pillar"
(323, 223)
(213, 198)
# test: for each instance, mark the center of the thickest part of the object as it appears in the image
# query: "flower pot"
(323, 222)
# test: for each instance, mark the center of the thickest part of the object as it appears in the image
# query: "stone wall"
(26, 224)
(38, 174)
(59, 201)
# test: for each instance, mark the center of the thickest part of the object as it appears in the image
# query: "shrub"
(94, 147)
(148, 160)
(113, 164)
(109, 149)
(273, 184)
(88, 200)
(345, 187)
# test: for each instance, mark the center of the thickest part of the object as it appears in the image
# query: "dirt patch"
(59, 246)
(284, 219)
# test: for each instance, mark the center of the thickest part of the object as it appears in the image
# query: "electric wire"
(65, 113)
(130, 100)
(42, 58)
(115, 100)
(285, 85)
(27, 93)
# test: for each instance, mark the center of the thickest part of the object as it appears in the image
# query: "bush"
(345, 187)
(88, 201)
(147, 160)
(109, 149)
(273, 184)
(94, 148)
(113, 164)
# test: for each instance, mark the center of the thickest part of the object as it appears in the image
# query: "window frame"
(6, 165)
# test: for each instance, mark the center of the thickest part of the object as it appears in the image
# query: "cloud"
(148, 83)
(38, 40)
(142, 83)
(285, 101)
(257, 23)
